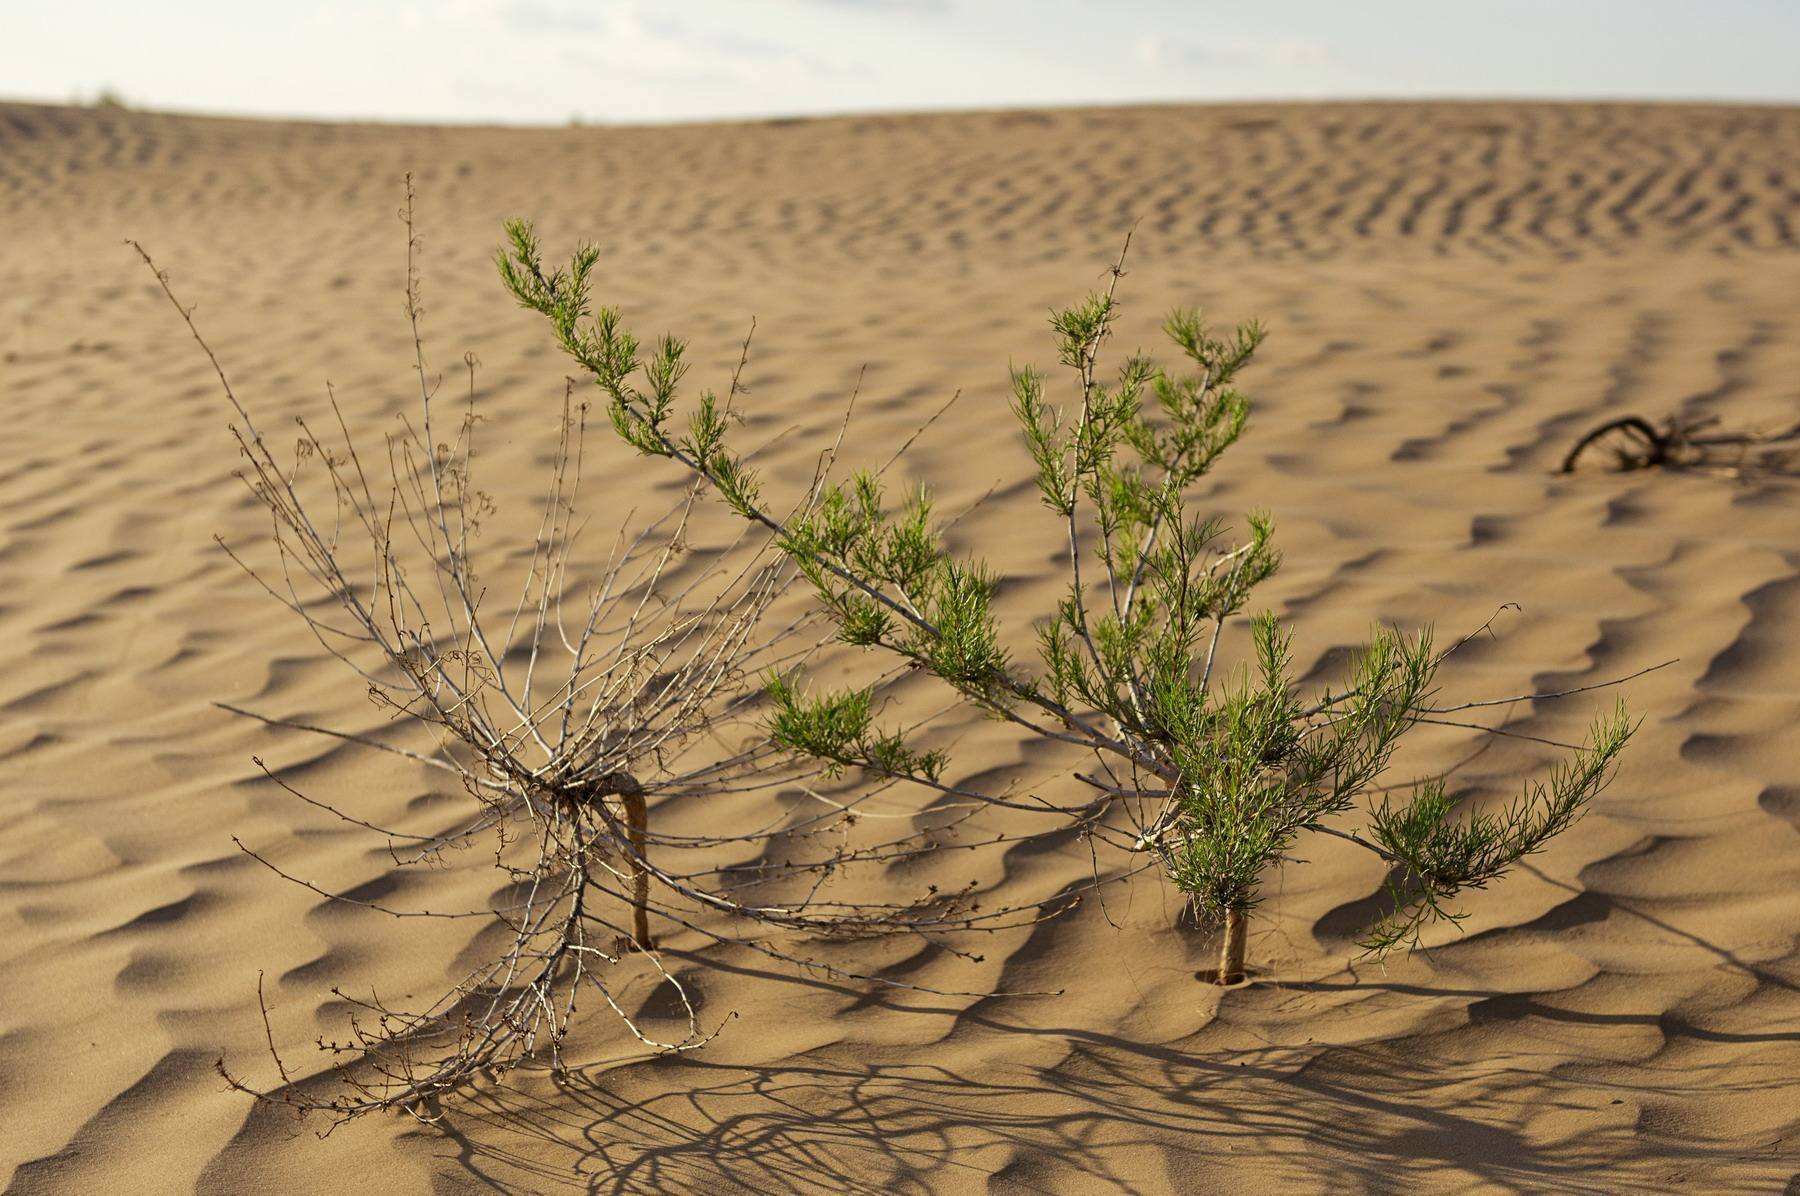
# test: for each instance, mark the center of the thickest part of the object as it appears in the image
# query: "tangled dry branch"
(602, 695)
(1632, 442)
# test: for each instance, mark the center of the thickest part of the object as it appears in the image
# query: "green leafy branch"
(1218, 779)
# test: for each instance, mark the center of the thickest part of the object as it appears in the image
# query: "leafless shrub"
(566, 718)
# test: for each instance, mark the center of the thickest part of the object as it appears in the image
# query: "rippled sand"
(1455, 291)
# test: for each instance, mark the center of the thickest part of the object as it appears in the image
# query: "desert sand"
(1454, 292)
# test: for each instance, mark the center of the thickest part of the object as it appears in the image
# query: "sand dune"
(1455, 291)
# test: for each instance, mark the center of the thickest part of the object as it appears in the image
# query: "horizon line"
(106, 100)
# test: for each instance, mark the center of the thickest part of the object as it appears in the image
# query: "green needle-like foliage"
(1217, 777)
(838, 730)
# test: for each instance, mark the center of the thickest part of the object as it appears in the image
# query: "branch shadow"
(1597, 905)
(1500, 1005)
(1110, 1114)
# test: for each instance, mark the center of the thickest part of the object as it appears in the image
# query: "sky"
(550, 61)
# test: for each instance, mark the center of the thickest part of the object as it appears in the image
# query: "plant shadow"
(1111, 1114)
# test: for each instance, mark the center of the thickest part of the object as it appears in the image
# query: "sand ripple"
(1455, 291)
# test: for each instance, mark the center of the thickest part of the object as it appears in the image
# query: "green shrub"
(1217, 778)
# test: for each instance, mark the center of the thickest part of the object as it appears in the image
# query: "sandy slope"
(1455, 290)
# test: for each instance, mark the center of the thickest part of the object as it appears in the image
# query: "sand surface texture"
(1454, 292)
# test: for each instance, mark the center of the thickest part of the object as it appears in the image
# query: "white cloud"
(563, 17)
(643, 39)
(1261, 53)
(627, 59)
(645, 33)
(901, 6)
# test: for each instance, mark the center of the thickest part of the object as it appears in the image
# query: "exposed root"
(1632, 442)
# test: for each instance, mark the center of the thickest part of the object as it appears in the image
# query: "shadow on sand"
(1109, 1115)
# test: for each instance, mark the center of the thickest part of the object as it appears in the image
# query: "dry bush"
(567, 717)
